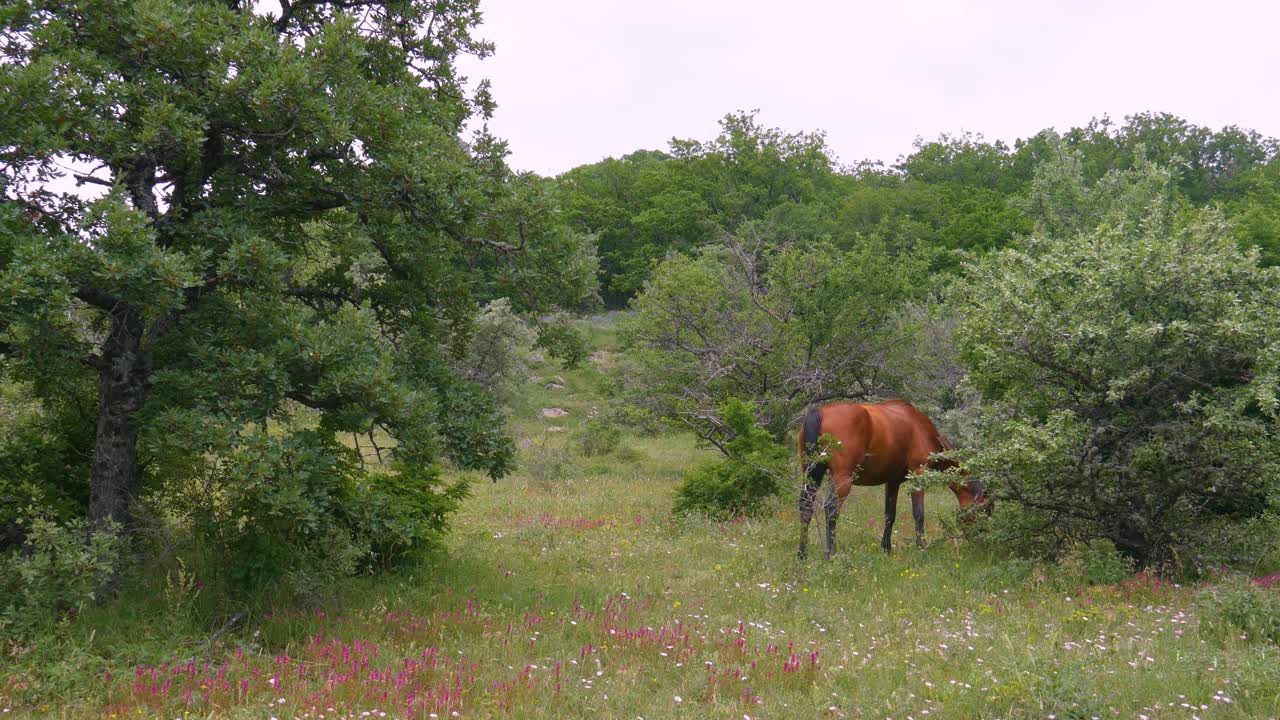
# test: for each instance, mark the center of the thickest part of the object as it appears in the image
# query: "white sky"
(580, 80)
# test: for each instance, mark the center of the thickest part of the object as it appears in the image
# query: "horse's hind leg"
(917, 512)
(807, 492)
(832, 510)
(840, 485)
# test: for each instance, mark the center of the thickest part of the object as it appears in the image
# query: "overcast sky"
(580, 80)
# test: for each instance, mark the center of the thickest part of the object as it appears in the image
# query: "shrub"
(563, 341)
(1129, 367)
(745, 479)
(598, 436)
(299, 508)
(495, 354)
(57, 571)
(767, 319)
(545, 463)
(43, 444)
(1237, 606)
(1096, 562)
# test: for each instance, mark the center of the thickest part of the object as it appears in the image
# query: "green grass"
(573, 571)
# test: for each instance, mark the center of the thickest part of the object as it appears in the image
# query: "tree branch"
(313, 297)
(193, 296)
(97, 297)
(91, 180)
(485, 242)
(329, 403)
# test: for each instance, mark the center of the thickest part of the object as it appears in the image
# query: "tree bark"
(122, 386)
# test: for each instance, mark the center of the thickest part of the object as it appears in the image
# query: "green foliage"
(1237, 607)
(742, 483)
(598, 436)
(1096, 562)
(295, 230)
(1128, 355)
(767, 320)
(298, 507)
(1255, 214)
(402, 514)
(57, 571)
(650, 204)
(563, 341)
(41, 465)
(495, 352)
(954, 195)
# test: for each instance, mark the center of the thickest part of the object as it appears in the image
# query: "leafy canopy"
(777, 324)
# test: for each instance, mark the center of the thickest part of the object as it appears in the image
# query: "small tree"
(780, 326)
(1128, 353)
(754, 469)
(495, 354)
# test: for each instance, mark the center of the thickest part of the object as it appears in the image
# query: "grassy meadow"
(569, 590)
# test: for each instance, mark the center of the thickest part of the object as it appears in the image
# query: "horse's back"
(887, 440)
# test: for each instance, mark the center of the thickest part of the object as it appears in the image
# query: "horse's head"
(973, 493)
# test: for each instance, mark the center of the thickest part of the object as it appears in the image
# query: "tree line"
(955, 194)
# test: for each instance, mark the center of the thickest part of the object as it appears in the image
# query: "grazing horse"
(880, 444)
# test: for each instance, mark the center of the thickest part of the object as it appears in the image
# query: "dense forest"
(238, 249)
(950, 195)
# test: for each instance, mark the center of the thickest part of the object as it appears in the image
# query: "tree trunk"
(121, 387)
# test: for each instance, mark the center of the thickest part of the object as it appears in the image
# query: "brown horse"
(880, 444)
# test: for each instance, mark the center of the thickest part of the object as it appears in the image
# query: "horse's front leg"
(917, 512)
(890, 514)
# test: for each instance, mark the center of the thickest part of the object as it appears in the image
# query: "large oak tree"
(290, 215)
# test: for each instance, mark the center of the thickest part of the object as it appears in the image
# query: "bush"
(495, 354)
(57, 571)
(299, 509)
(547, 464)
(43, 444)
(1096, 562)
(1127, 357)
(1237, 606)
(563, 341)
(741, 483)
(767, 319)
(598, 436)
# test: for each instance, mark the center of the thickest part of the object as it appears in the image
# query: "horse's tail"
(809, 433)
